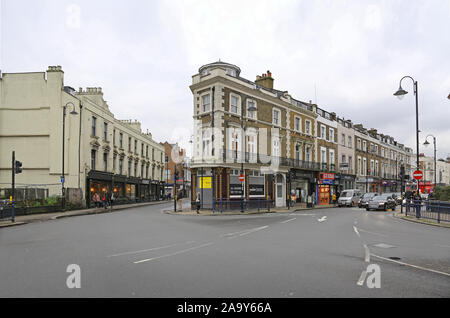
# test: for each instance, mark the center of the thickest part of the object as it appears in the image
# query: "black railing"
(432, 210)
(244, 205)
(232, 156)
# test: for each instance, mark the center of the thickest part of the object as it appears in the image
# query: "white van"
(349, 197)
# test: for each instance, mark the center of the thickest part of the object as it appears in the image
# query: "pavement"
(145, 252)
(41, 217)
(188, 211)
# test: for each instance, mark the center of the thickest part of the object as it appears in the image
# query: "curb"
(242, 213)
(12, 224)
(397, 216)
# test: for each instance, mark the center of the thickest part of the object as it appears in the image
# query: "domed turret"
(231, 69)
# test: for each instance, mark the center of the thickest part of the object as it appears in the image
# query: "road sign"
(418, 175)
(241, 177)
(62, 179)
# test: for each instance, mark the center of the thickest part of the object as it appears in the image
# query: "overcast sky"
(347, 56)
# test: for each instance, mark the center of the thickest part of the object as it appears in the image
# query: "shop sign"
(327, 176)
(236, 189)
(205, 182)
(256, 189)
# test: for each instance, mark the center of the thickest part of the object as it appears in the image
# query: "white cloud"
(144, 54)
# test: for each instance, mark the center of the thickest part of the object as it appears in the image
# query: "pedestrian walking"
(96, 200)
(418, 203)
(197, 202)
(180, 200)
(105, 200)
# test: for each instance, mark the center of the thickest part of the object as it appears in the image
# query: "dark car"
(382, 202)
(366, 198)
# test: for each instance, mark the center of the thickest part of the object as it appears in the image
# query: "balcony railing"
(237, 157)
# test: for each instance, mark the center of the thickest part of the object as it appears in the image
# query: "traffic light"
(175, 176)
(18, 167)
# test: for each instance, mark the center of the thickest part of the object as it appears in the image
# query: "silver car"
(349, 197)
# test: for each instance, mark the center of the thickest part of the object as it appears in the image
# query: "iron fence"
(239, 205)
(432, 210)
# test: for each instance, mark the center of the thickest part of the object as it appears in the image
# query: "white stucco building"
(101, 153)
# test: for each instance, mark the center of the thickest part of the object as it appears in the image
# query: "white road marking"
(362, 278)
(356, 231)
(175, 253)
(442, 245)
(323, 218)
(410, 265)
(373, 233)
(367, 257)
(151, 249)
(243, 231)
(306, 214)
(288, 220)
(254, 230)
(383, 245)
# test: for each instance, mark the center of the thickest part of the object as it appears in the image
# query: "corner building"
(248, 128)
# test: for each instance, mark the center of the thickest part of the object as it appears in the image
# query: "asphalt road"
(143, 252)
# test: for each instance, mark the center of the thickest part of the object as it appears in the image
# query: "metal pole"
(243, 152)
(417, 125)
(175, 189)
(63, 200)
(12, 185)
(434, 141)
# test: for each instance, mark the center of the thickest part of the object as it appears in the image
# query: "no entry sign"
(241, 177)
(418, 175)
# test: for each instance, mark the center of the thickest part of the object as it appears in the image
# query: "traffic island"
(421, 220)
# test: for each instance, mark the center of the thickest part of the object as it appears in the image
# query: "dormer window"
(231, 72)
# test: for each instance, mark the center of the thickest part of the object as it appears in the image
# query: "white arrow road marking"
(356, 231)
(288, 220)
(176, 253)
(367, 257)
(323, 218)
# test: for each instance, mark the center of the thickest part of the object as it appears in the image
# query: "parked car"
(366, 198)
(349, 197)
(382, 202)
(398, 197)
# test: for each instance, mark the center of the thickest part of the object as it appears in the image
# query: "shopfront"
(368, 185)
(301, 184)
(388, 186)
(325, 188)
(344, 182)
(125, 189)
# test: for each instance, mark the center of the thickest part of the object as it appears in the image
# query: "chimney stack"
(265, 80)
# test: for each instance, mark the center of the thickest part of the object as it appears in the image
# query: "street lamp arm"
(407, 76)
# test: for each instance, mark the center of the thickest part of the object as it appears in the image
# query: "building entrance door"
(280, 191)
(324, 194)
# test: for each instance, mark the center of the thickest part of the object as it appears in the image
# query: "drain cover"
(395, 258)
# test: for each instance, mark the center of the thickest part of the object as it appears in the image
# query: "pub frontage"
(125, 189)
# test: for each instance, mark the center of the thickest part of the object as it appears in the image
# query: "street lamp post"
(400, 94)
(63, 192)
(249, 109)
(426, 143)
